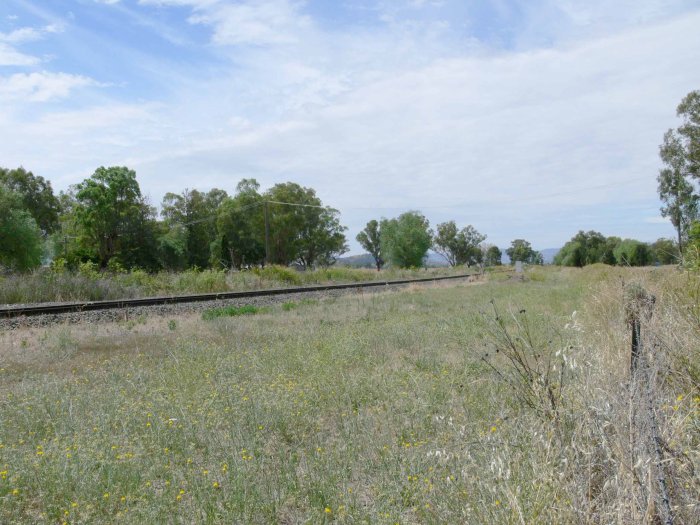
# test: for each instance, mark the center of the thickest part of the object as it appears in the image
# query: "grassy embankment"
(87, 284)
(361, 409)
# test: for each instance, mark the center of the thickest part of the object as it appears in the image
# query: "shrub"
(230, 311)
(278, 273)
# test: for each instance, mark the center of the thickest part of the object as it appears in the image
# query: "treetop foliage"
(592, 247)
(459, 246)
(521, 250)
(405, 240)
(36, 195)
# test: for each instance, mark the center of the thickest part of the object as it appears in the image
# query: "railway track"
(90, 306)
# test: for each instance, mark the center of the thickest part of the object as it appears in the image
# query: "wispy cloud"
(9, 56)
(41, 87)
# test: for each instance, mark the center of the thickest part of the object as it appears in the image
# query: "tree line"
(592, 247)
(404, 242)
(105, 220)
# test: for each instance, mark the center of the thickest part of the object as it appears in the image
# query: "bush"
(278, 273)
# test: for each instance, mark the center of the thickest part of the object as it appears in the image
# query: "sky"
(527, 119)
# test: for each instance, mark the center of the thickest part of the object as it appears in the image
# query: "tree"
(458, 246)
(584, 248)
(492, 256)
(665, 251)
(172, 246)
(20, 236)
(36, 194)
(631, 252)
(196, 211)
(370, 239)
(520, 250)
(240, 225)
(301, 228)
(405, 240)
(689, 111)
(113, 217)
(675, 189)
(611, 243)
(322, 238)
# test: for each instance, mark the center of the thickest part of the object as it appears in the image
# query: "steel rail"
(87, 306)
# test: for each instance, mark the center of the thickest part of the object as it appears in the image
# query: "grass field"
(401, 407)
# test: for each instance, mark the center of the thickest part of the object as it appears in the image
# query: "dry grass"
(376, 408)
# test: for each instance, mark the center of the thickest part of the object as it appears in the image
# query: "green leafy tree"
(406, 239)
(458, 246)
(692, 255)
(675, 189)
(113, 218)
(611, 243)
(36, 194)
(196, 211)
(521, 250)
(20, 236)
(492, 256)
(631, 252)
(584, 248)
(665, 251)
(301, 229)
(370, 239)
(689, 130)
(172, 246)
(322, 239)
(241, 226)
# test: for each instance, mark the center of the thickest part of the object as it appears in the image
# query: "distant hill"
(548, 254)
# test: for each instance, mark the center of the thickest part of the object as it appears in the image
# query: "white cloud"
(41, 87)
(9, 56)
(30, 34)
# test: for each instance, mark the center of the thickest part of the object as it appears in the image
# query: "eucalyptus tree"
(194, 213)
(458, 246)
(371, 240)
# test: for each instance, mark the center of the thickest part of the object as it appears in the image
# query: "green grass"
(230, 311)
(359, 409)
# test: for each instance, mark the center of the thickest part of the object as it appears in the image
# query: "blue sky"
(527, 119)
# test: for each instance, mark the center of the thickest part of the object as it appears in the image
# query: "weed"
(230, 311)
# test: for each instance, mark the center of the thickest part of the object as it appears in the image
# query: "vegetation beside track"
(90, 285)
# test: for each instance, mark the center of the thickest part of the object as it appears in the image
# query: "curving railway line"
(90, 306)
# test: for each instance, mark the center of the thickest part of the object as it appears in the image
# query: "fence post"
(639, 306)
